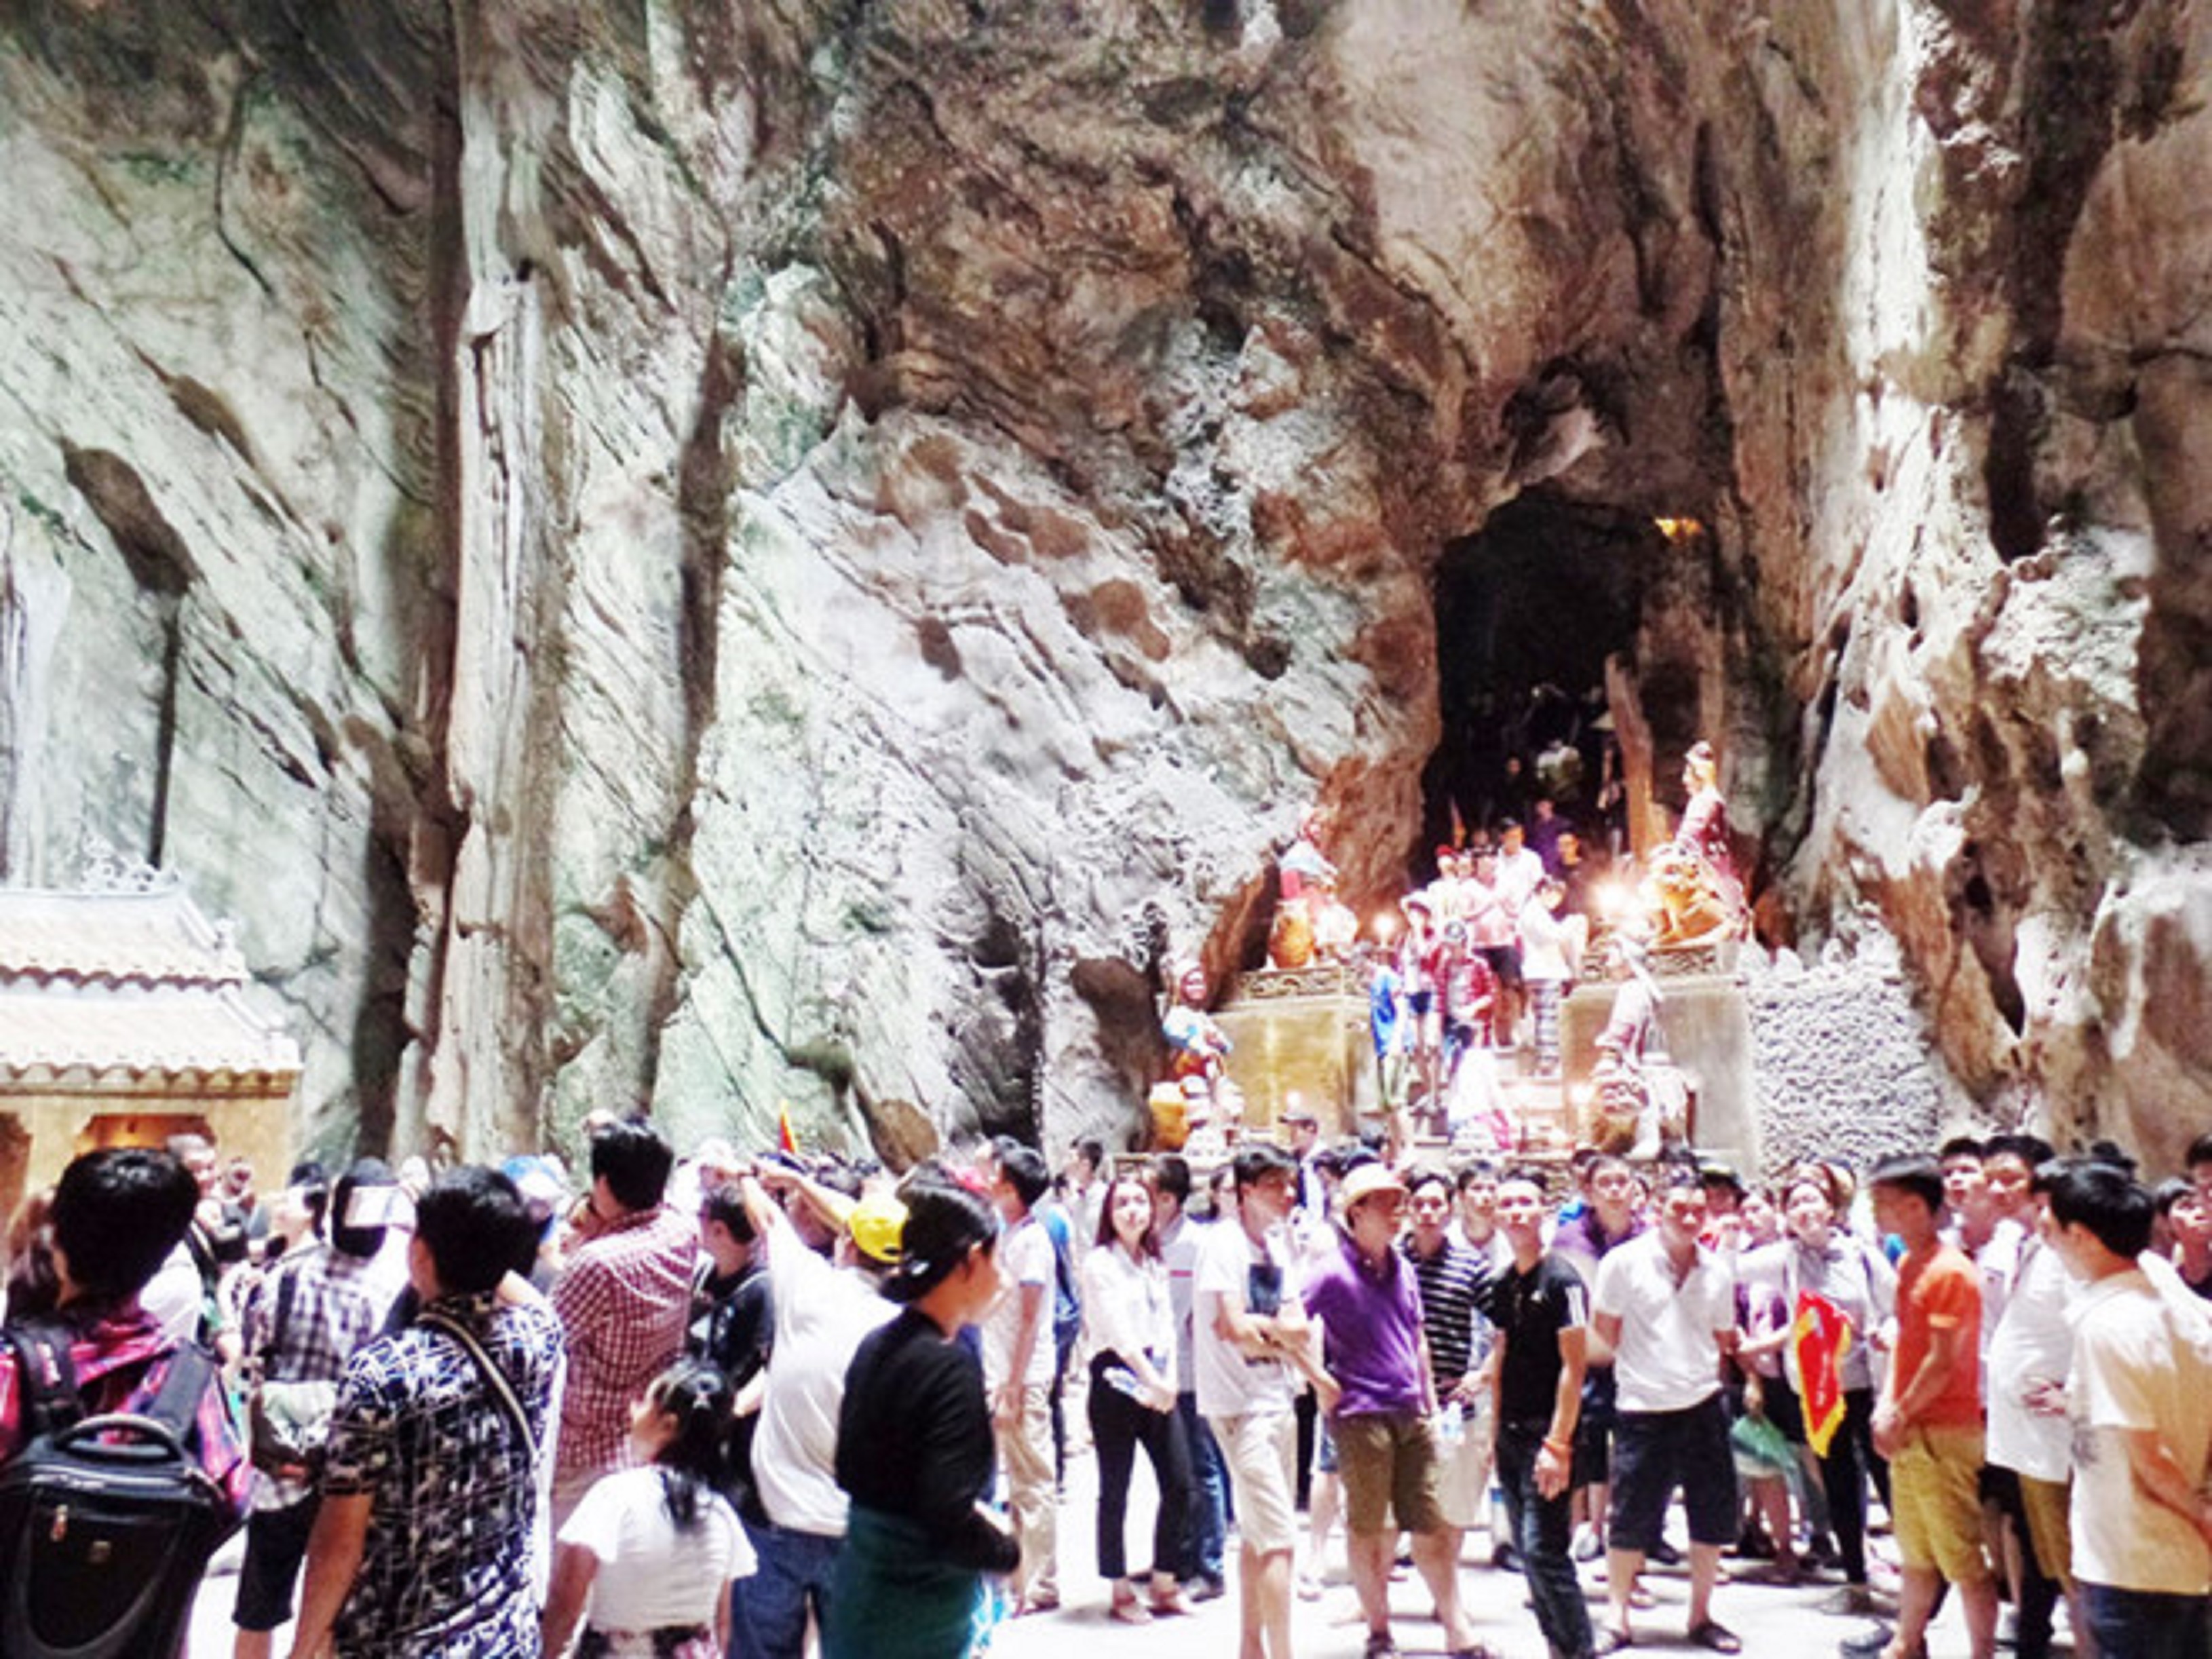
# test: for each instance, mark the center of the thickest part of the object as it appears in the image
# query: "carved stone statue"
(1682, 903)
(1642, 1101)
(1196, 1048)
(1309, 883)
(1701, 840)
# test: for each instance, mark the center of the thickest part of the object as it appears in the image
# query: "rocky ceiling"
(721, 551)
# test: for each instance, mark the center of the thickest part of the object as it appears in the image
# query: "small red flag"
(1459, 824)
(786, 1136)
(1820, 1335)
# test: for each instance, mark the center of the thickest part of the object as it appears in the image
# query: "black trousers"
(1118, 1426)
(1850, 1463)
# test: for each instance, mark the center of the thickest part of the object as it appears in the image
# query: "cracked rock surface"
(722, 553)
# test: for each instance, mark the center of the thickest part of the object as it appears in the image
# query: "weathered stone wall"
(712, 553)
(1840, 1060)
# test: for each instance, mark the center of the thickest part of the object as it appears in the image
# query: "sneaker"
(1587, 1549)
(1205, 1588)
(1854, 1600)
(1869, 1644)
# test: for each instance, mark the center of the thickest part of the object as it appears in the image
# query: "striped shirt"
(1452, 1283)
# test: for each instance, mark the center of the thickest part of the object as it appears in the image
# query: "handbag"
(288, 1423)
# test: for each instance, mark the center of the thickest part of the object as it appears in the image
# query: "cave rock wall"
(715, 554)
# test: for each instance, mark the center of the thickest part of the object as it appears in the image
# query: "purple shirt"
(1370, 1331)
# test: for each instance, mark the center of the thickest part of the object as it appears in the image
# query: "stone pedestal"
(1706, 1023)
(1302, 1030)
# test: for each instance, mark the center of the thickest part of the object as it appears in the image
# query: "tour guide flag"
(1819, 1337)
(786, 1136)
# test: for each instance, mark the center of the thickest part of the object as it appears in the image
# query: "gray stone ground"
(1774, 1623)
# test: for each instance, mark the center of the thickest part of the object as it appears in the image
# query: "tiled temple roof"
(136, 986)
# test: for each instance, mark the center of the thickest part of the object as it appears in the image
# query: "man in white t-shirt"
(1977, 1227)
(1520, 867)
(1250, 1341)
(2142, 1372)
(1664, 1312)
(821, 1313)
(1018, 1362)
(1179, 1238)
(2027, 1435)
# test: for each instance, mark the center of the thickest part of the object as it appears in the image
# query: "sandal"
(1126, 1608)
(1716, 1638)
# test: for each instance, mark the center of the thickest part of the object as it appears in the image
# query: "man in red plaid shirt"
(623, 1303)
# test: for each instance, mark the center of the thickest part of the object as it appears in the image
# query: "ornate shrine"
(124, 1018)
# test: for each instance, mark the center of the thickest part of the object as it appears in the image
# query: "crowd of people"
(765, 1405)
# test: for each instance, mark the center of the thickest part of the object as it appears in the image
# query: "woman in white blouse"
(1132, 1396)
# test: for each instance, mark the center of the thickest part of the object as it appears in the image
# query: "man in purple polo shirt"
(1365, 1296)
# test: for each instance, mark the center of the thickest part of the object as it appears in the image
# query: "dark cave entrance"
(1529, 610)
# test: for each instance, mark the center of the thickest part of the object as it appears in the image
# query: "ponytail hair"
(698, 1396)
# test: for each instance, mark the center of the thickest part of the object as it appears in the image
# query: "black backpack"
(107, 1523)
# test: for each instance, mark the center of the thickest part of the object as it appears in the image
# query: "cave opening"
(1528, 611)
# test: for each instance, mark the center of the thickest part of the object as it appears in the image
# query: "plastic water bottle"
(1121, 1378)
(992, 1607)
(1451, 1424)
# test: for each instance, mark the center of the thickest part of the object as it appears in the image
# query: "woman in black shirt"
(913, 1446)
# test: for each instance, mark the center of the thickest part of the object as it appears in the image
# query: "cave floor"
(1771, 1621)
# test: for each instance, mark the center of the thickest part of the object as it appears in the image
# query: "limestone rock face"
(714, 554)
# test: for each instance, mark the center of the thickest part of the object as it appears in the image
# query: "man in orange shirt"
(1929, 1424)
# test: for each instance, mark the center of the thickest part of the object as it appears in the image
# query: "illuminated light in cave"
(1679, 530)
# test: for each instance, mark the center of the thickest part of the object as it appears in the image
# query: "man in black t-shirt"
(1542, 1313)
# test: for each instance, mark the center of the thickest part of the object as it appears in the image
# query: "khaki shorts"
(2044, 1503)
(1936, 1502)
(1261, 1451)
(1388, 1461)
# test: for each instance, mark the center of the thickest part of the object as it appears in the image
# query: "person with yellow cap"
(822, 1309)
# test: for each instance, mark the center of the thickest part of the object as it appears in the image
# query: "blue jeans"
(1543, 1530)
(2146, 1624)
(767, 1610)
(1209, 1493)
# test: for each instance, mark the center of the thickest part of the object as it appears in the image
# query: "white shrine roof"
(135, 987)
